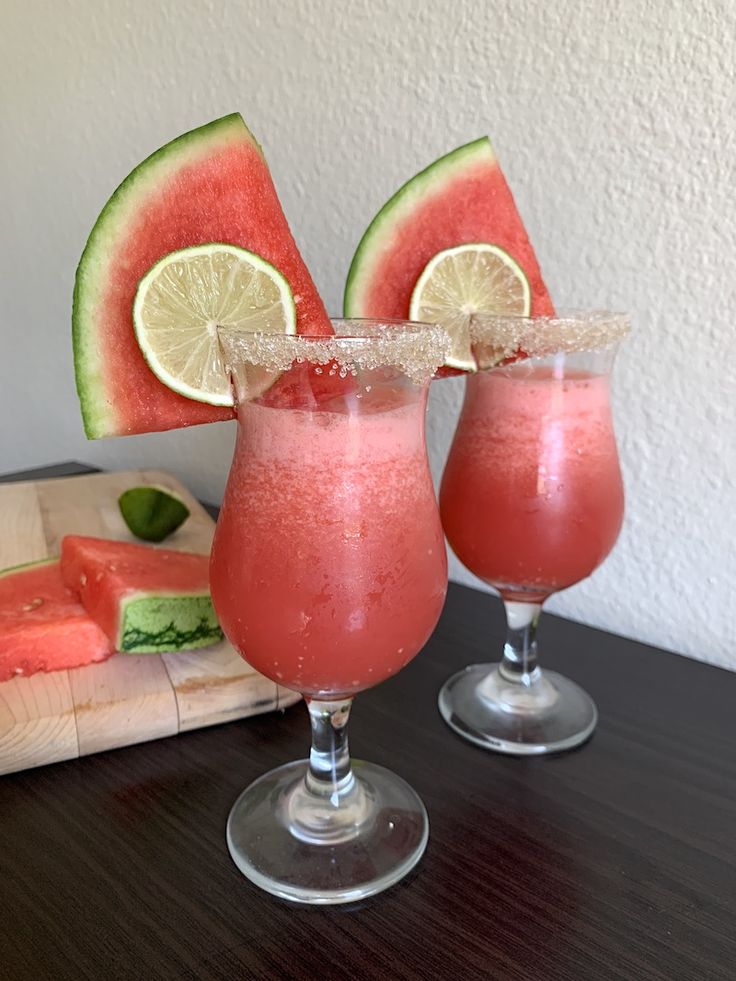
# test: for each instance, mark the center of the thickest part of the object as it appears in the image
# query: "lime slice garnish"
(187, 295)
(464, 282)
(151, 512)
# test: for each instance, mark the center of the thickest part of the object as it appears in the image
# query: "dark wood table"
(614, 861)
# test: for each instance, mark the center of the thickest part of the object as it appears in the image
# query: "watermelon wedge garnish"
(209, 185)
(460, 199)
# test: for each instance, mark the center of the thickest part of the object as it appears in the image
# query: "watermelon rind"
(97, 411)
(378, 234)
(153, 623)
(26, 565)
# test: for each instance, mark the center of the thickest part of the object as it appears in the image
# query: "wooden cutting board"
(130, 698)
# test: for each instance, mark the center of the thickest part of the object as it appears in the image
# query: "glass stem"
(519, 663)
(329, 775)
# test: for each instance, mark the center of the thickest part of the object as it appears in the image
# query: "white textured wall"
(615, 126)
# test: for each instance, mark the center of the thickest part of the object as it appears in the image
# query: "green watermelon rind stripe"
(24, 566)
(157, 622)
(170, 639)
(98, 414)
(414, 192)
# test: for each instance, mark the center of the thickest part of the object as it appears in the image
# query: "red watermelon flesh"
(210, 185)
(43, 626)
(461, 198)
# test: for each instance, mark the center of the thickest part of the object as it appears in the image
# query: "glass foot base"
(552, 715)
(314, 852)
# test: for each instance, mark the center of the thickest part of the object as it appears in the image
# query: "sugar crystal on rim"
(417, 350)
(542, 336)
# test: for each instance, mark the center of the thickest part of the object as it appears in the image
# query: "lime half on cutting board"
(151, 512)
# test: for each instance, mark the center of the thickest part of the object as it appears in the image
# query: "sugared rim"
(415, 349)
(568, 332)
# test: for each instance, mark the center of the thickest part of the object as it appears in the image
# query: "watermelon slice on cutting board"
(145, 599)
(460, 199)
(209, 185)
(43, 626)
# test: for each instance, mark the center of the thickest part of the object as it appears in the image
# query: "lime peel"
(151, 512)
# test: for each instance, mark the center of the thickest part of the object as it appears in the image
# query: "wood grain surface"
(614, 862)
(128, 698)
